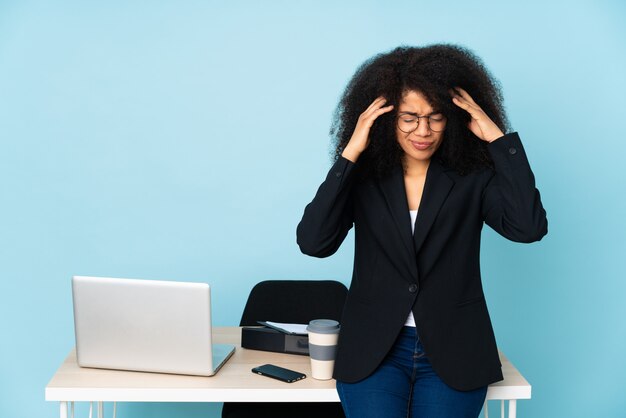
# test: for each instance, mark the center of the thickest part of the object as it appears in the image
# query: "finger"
(455, 95)
(460, 102)
(376, 113)
(374, 107)
(463, 104)
(465, 99)
(378, 102)
(367, 121)
(384, 110)
(371, 109)
(464, 94)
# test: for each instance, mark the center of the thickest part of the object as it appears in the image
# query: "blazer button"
(512, 151)
(413, 288)
(338, 174)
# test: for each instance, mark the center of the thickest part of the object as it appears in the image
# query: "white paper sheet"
(289, 328)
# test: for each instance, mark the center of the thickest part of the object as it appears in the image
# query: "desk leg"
(512, 408)
(100, 409)
(63, 409)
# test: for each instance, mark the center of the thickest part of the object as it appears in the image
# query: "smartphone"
(280, 373)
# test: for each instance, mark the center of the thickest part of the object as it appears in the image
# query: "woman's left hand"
(481, 125)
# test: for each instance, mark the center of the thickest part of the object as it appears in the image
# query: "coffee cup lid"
(323, 326)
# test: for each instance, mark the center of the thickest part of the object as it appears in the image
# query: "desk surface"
(234, 382)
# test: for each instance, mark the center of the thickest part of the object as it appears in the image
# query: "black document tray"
(268, 339)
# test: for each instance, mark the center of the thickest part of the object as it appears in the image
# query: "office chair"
(298, 302)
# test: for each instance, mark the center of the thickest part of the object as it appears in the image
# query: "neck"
(415, 168)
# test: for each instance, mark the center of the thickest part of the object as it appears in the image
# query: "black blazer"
(435, 272)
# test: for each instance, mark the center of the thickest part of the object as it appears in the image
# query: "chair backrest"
(294, 301)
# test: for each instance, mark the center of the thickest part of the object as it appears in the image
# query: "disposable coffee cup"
(323, 334)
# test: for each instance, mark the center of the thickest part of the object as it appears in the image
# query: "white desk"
(234, 382)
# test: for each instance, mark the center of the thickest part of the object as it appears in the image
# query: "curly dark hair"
(432, 70)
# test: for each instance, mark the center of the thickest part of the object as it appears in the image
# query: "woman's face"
(419, 127)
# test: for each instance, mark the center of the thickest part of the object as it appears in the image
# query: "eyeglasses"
(409, 122)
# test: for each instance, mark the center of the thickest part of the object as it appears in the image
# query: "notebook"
(145, 325)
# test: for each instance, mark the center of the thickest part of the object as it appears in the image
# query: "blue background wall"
(182, 140)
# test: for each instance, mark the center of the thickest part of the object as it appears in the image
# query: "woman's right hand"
(360, 138)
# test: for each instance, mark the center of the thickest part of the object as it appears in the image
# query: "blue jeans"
(405, 385)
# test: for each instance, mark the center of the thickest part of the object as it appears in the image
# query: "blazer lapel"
(395, 195)
(436, 189)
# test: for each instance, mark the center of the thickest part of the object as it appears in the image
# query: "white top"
(410, 320)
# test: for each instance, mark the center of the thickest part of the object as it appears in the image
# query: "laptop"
(145, 325)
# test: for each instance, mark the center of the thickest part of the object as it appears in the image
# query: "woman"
(422, 162)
